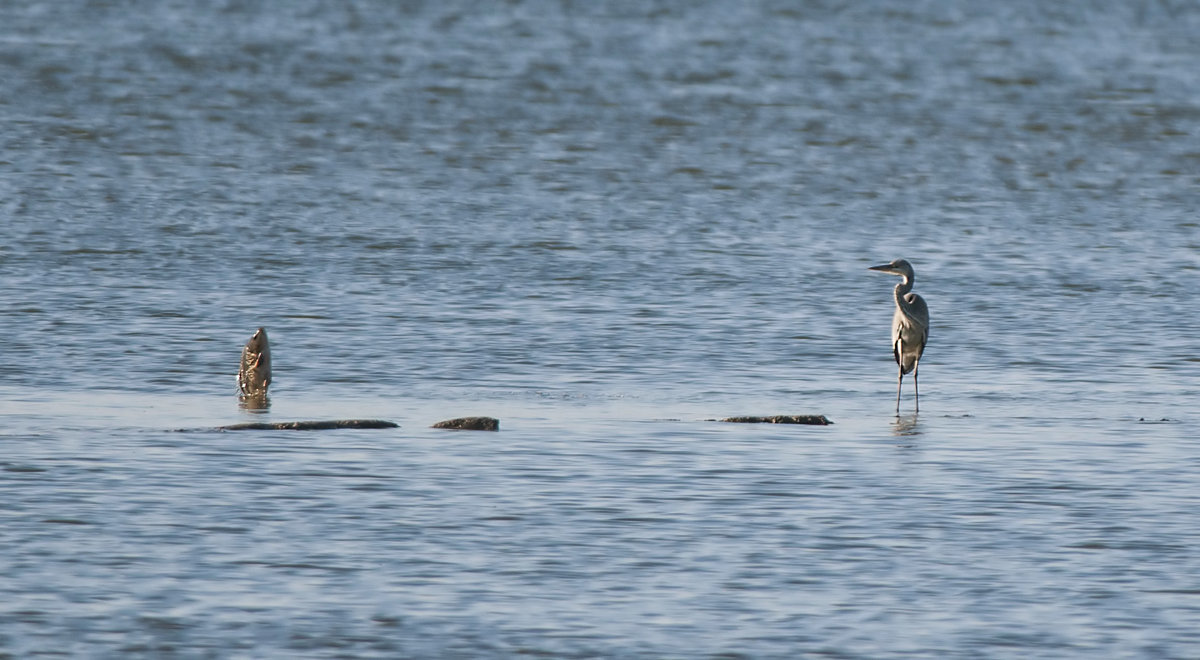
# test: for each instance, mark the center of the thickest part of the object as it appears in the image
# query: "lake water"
(605, 224)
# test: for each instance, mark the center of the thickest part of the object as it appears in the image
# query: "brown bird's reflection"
(260, 403)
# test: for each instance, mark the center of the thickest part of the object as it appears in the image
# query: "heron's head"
(897, 267)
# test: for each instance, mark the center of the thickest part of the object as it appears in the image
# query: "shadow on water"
(906, 426)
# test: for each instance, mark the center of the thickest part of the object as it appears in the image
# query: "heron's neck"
(902, 288)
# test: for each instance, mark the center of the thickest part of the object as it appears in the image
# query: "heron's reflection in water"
(906, 426)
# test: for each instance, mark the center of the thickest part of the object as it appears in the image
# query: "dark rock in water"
(312, 426)
(817, 420)
(470, 424)
(254, 376)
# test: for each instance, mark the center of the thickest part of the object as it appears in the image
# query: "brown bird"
(255, 374)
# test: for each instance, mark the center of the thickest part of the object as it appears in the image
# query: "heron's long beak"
(885, 268)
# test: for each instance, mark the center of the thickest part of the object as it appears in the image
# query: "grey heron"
(910, 326)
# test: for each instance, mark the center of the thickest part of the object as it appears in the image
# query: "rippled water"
(605, 224)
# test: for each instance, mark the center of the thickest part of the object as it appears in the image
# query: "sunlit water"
(605, 224)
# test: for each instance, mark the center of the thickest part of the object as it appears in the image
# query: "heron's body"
(910, 326)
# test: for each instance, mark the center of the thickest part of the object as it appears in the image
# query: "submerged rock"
(470, 424)
(312, 425)
(817, 420)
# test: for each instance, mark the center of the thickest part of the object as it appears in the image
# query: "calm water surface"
(605, 224)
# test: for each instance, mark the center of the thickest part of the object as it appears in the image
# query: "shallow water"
(605, 225)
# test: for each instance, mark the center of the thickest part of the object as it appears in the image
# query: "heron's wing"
(916, 310)
(916, 320)
(910, 330)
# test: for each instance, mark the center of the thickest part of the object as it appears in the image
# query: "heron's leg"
(916, 388)
(899, 382)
